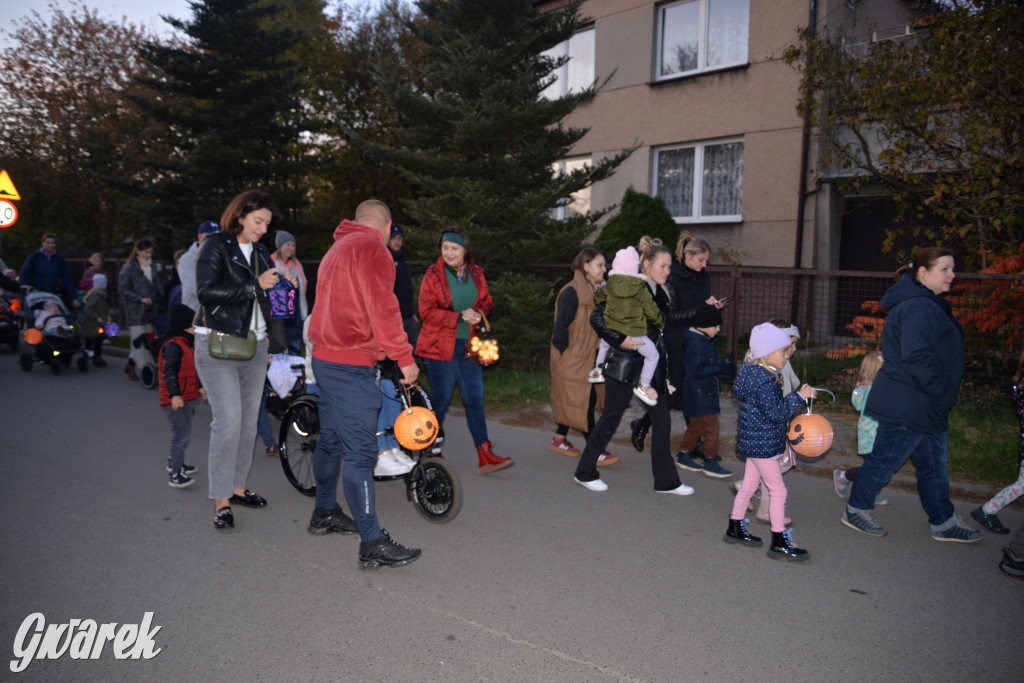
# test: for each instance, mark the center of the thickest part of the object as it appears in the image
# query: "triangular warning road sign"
(7, 188)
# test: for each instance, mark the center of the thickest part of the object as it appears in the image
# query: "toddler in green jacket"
(629, 305)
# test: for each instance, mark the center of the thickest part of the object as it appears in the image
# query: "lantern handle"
(810, 401)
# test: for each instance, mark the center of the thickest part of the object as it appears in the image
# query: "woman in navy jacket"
(912, 397)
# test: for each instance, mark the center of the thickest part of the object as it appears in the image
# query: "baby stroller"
(55, 347)
(10, 324)
(432, 485)
(148, 372)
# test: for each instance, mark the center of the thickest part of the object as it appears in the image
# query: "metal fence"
(840, 319)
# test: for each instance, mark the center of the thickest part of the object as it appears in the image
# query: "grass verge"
(982, 427)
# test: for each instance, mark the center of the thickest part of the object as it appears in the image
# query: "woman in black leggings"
(621, 373)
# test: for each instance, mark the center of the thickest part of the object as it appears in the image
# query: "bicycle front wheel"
(300, 430)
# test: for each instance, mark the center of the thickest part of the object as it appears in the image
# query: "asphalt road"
(536, 580)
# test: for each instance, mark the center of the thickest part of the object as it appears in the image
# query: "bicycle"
(432, 485)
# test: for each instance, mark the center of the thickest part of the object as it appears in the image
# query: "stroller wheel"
(83, 363)
(148, 376)
(55, 366)
(26, 361)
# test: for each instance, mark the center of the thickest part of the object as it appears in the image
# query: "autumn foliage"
(868, 328)
(994, 306)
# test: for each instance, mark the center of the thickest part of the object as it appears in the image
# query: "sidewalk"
(842, 455)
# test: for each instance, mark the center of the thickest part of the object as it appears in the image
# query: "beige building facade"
(701, 87)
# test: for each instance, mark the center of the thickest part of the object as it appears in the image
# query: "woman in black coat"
(621, 373)
(689, 286)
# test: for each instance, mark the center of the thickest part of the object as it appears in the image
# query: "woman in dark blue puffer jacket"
(912, 397)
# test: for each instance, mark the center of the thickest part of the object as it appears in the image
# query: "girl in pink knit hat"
(761, 438)
(629, 306)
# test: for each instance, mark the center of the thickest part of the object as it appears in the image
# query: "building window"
(578, 73)
(701, 35)
(577, 203)
(714, 194)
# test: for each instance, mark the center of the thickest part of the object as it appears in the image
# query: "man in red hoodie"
(356, 322)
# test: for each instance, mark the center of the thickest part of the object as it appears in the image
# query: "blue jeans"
(390, 408)
(895, 443)
(349, 405)
(444, 374)
(181, 431)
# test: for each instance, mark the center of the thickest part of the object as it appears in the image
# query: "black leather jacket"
(625, 365)
(227, 288)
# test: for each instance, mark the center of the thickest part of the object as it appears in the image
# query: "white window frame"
(697, 196)
(561, 74)
(702, 46)
(559, 213)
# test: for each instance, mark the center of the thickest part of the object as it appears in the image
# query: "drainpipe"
(805, 144)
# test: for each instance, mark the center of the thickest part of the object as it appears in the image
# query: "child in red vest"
(179, 390)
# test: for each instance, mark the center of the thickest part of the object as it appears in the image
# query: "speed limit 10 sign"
(8, 214)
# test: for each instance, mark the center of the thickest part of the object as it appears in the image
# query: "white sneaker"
(401, 457)
(389, 465)
(646, 394)
(596, 485)
(681, 490)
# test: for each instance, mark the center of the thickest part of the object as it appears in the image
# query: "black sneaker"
(187, 469)
(990, 522)
(384, 551)
(180, 480)
(1011, 565)
(331, 521)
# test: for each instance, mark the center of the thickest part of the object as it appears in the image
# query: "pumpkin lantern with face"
(810, 435)
(416, 428)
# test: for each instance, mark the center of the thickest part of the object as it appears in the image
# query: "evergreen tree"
(229, 101)
(639, 214)
(475, 139)
(344, 96)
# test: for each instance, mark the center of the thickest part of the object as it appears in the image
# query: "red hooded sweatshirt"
(356, 319)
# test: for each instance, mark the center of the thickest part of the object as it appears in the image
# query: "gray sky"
(145, 13)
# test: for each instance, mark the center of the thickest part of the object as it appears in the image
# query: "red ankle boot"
(489, 462)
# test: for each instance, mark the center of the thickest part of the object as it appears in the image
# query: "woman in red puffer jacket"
(453, 299)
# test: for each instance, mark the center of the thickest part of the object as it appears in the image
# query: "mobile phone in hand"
(724, 299)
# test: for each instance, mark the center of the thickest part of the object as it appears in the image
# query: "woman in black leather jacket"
(621, 373)
(233, 272)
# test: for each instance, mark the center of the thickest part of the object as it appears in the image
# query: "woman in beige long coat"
(573, 350)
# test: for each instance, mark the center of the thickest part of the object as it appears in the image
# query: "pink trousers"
(768, 470)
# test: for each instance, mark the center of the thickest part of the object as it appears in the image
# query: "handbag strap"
(484, 325)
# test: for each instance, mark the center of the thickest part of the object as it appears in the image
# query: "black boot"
(739, 532)
(782, 548)
(639, 428)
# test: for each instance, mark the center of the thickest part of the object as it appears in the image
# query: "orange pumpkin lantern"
(810, 435)
(33, 336)
(416, 428)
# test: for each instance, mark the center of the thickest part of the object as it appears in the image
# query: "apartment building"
(702, 87)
